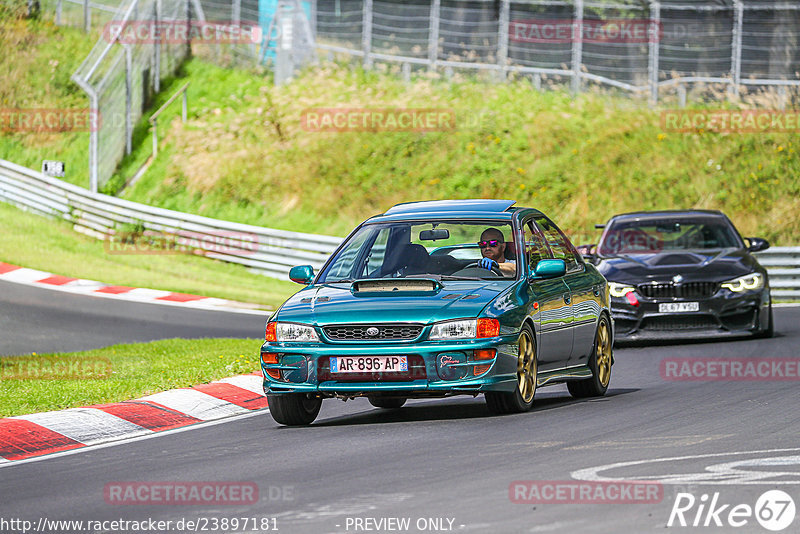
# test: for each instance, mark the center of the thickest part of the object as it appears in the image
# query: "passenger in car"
(493, 249)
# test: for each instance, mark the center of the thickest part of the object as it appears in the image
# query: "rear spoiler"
(600, 226)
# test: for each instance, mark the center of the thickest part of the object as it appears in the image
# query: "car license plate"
(677, 307)
(369, 364)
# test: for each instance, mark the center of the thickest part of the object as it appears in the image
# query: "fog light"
(271, 358)
(483, 354)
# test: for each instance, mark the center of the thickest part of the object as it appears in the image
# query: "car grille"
(359, 332)
(684, 322)
(688, 290)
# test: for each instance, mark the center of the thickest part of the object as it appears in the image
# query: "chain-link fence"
(640, 46)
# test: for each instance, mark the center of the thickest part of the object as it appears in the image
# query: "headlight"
(465, 329)
(619, 290)
(745, 283)
(291, 332)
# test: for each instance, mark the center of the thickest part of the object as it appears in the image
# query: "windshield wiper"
(451, 278)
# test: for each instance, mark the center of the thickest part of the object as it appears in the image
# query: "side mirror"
(756, 244)
(302, 274)
(550, 269)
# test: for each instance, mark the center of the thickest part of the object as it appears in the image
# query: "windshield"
(665, 235)
(436, 249)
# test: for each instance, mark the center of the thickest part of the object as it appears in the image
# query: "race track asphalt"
(437, 461)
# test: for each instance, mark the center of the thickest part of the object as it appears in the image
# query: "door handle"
(566, 298)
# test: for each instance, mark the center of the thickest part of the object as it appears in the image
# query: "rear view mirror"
(302, 274)
(550, 269)
(756, 244)
(434, 235)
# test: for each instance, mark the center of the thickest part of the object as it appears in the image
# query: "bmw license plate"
(369, 364)
(678, 307)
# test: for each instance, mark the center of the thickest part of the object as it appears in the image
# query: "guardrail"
(271, 252)
(783, 267)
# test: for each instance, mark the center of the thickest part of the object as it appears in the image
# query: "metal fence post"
(157, 50)
(128, 99)
(654, 42)
(366, 33)
(236, 14)
(502, 38)
(58, 12)
(93, 140)
(577, 46)
(87, 16)
(736, 46)
(433, 34)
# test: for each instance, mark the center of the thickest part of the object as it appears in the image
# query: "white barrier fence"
(272, 252)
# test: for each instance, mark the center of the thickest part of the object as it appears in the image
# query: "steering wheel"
(495, 270)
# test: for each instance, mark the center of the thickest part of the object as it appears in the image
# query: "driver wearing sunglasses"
(493, 248)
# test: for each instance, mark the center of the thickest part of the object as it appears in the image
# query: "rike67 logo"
(774, 510)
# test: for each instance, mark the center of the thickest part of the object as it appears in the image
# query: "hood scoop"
(399, 286)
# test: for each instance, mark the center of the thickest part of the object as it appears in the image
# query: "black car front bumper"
(724, 314)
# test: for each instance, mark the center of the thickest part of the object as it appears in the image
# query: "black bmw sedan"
(682, 273)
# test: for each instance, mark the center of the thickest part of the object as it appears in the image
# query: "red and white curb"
(28, 436)
(32, 277)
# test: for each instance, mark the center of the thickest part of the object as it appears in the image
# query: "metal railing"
(154, 116)
(276, 251)
(271, 252)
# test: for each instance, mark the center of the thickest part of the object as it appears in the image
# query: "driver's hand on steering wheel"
(488, 263)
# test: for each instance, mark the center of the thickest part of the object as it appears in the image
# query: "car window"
(435, 248)
(535, 247)
(377, 253)
(560, 246)
(669, 234)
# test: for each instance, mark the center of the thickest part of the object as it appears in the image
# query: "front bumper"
(304, 368)
(724, 314)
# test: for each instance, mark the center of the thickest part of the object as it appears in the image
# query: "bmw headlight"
(745, 283)
(619, 290)
(291, 332)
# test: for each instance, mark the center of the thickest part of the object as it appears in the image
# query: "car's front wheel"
(599, 362)
(521, 399)
(389, 403)
(294, 409)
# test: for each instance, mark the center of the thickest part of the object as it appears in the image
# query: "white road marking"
(25, 275)
(195, 404)
(86, 425)
(249, 382)
(14, 463)
(716, 474)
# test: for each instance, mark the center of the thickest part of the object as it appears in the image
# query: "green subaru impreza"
(440, 298)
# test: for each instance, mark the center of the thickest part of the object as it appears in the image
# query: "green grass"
(244, 156)
(36, 63)
(137, 369)
(51, 245)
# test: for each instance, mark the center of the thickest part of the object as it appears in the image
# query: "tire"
(770, 331)
(599, 362)
(294, 409)
(387, 403)
(521, 399)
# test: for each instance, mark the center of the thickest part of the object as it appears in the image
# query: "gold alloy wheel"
(603, 356)
(526, 368)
